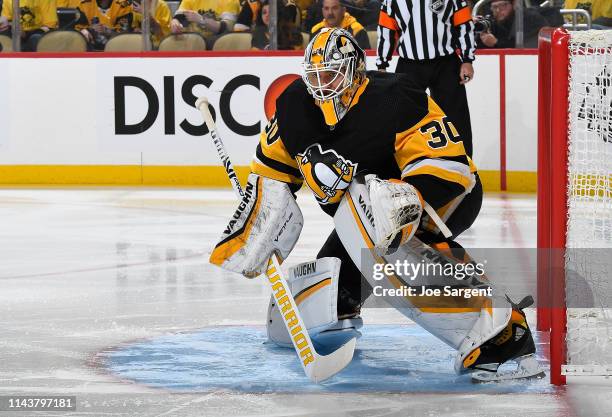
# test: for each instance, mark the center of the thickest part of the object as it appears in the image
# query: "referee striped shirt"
(425, 29)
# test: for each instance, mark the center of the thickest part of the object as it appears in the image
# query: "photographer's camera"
(483, 23)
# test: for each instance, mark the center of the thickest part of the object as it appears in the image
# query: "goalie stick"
(317, 367)
(202, 105)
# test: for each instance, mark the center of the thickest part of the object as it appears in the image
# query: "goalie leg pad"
(314, 286)
(267, 220)
(460, 322)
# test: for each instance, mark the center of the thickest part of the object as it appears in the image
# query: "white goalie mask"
(333, 71)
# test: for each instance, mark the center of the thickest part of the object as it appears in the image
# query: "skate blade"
(527, 368)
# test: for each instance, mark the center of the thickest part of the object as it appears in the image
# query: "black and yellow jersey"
(162, 16)
(35, 14)
(351, 25)
(117, 17)
(391, 130)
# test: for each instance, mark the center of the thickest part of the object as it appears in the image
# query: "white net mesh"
(588, 263)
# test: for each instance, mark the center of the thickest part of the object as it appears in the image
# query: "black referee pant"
(441, 76)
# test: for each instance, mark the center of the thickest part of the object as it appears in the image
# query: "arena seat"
(238, 41)
(125, 42)
(189, 41)
(62, 41)
(7, 44)
(373, 38)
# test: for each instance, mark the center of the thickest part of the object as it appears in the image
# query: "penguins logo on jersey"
(326, 173)
(26, 15)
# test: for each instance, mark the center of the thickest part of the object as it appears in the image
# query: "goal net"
(575, 201)
(589, 225)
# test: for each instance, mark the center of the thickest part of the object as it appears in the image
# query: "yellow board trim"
(185, 176)
(516, 181)
(206, 176)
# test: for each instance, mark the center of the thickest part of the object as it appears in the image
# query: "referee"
(435, 41)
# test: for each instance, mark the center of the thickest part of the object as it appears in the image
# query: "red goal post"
(552, 153)
(575, 199)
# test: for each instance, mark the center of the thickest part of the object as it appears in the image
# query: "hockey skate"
(512, 344)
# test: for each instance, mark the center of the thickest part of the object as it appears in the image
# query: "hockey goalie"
(375, 153)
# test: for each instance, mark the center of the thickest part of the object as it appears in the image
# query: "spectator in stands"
(289, 36)
(37, 17)
(69, 15)
(80, 20)
(247, 18)
(600, 10)
(208, 17)
(365, 11)
(336, 16)
(250, 9)
(502, 32)
(105, 18)
(160, 18)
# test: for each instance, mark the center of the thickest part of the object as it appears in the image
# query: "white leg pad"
(465, 326)
(314, 286)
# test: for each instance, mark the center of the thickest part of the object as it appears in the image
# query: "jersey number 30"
(440, 132)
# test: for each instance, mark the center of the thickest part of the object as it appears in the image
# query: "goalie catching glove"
(267, 220)
(396, 208)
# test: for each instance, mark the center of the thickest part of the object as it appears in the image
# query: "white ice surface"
(86, 270)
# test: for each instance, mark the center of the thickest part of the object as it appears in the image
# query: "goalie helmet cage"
(575, 200)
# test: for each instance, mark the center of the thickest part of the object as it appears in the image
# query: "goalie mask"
(334, 70)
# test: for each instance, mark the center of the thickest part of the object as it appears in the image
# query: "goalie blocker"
(267, 221)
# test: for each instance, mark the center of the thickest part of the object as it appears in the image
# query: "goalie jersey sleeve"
(272, 160)
(430, 153)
